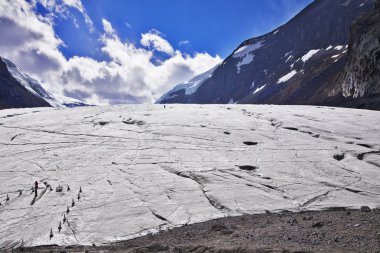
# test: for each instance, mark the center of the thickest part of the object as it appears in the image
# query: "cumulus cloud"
(153, 39)
(29, 38)
(127, 76)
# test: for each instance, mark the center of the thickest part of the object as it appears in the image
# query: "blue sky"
(129, 51)
(213, 26)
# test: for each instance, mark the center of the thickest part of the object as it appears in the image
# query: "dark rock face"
(361, 77)
(15, 95)
(298, 63)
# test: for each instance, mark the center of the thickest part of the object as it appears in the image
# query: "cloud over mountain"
(128, 73)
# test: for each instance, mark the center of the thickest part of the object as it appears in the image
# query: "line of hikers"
(58, 189)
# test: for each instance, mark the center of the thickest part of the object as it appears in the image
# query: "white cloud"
(62, 8)
(184, 42)
(77, 4)
(74, 3)
(107, 27)
(154, 39)
(29, 38)
(128, 24)
(128, 76)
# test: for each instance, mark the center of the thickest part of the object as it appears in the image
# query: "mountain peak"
(296, 63)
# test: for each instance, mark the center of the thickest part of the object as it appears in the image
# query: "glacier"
(144, 168)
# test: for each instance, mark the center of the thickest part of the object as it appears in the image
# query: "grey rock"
(365, 209)
(362, 71)
(318, 224)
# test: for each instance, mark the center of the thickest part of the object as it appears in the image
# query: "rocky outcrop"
(361, 76)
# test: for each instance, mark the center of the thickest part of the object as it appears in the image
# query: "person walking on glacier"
(35, 188)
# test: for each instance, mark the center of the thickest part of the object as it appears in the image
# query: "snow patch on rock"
(287, 77)
(309, 54)
(290, 57)
(259, 89)
(245, 53)
(252, 85)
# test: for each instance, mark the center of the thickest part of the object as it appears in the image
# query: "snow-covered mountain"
(19, 90)
(189, 87)
(297, 63)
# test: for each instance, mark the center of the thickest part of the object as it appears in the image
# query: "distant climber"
(35, 188)
(51, 234)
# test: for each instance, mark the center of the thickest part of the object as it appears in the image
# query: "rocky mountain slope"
(19, 90)
(362, 72)
(298, 63)
(359, 82)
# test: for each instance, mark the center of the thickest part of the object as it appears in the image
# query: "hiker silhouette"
(35, 188)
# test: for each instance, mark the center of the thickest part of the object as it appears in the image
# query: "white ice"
(142, 168)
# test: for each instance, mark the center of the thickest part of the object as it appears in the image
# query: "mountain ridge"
(15, 95)
(19, 90)
(297, 63)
